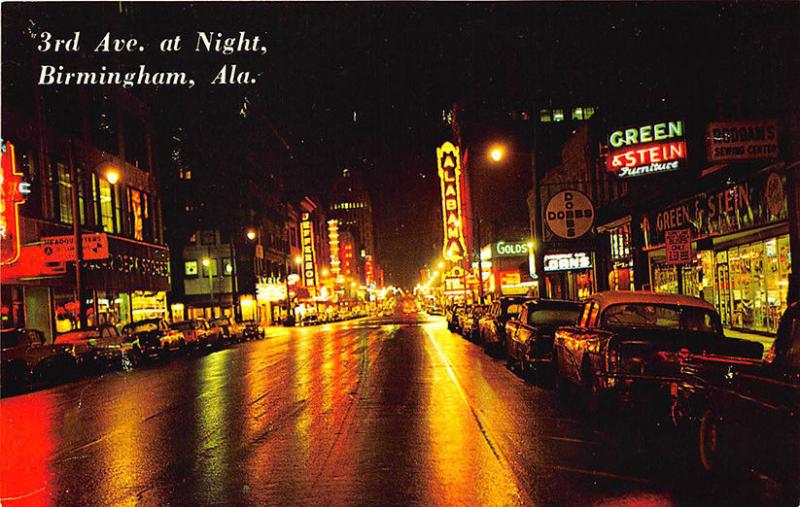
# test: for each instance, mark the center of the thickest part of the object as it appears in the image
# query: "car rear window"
(513, 309)
(650, 316)
(554, 316)
(186, 325)
(10, 339)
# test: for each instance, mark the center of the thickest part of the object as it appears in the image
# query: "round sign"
(774, 194)
(569, 214)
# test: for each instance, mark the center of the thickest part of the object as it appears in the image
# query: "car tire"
(710, 444)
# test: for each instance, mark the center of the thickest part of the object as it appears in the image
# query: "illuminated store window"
(588, 112)
(190, 269)
(106, 204)
(64, 180)
(577, 113)
(558, 115)
(545, 116)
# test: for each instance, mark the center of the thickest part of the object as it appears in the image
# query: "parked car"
(452, 317)
(461, 317)
(746, 414)
(310, 320)
(492, 326)
(231, 330)
(530, 336)
(469, 328)
(198, 332)
(154, 336)
(103, 347)
(27, 358)
(626, 349)
(251, 330)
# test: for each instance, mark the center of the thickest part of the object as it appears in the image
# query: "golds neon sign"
(449, 164)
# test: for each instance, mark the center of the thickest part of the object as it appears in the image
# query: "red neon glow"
(11, 198)
(26, 477)
(646, 155)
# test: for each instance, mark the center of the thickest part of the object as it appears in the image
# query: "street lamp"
(298, 260)
(112, 176)
(497, 152)
(207, 264)
(232, 270)
(251, 234)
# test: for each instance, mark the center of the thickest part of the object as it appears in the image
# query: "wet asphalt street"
(368, 412)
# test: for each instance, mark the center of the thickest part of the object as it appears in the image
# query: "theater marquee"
(449, 164)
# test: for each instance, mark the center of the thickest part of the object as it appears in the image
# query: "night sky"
(395, 67)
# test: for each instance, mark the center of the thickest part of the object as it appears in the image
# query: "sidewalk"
(766, 341)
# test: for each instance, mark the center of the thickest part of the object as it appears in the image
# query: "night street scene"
(402, 253)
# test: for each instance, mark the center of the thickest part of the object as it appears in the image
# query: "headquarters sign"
(449, 163)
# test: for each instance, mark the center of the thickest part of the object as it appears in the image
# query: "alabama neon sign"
(13, 192)
(648, 149)
(450, 174)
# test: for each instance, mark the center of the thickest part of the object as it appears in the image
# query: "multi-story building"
(351, 206)
(83, 158)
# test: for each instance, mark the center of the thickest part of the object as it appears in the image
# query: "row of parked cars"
(27, 359)
(653, 357)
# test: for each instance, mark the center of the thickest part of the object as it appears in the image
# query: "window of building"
(135, 142)
(545, 116)
(103, 130)
(577, 113)
(27, 165)
(212, 268)
(588, 112)
(193, 238)
(104, 195)
(558, 115)
(64, 193)
(136, 212)
(227, 266)
(190, 269)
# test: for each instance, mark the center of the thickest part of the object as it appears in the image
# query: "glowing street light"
(206, 261)
(440, 265)
(298, 260)
(251, 234)
(497, 153)
(112, 176)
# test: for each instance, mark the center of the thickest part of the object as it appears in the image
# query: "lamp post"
(207, 265)
(250, 234)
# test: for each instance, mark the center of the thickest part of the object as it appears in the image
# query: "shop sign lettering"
(309, 256)
(678, 246)
(569, 214)
(753, 203)
(648, 149)
(511, 249)
(742, 140)
(567, 261)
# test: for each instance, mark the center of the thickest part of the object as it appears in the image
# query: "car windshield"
(651, 316)
(559, 316)
(513, 309)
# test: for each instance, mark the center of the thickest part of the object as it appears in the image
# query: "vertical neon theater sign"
(309, 256)
(12, 195)
(449, 164)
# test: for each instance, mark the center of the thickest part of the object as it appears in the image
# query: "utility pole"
(77, 236)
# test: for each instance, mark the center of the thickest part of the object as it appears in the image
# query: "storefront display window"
(148, 305)
(759, 277)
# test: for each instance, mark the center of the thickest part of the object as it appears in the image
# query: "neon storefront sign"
(309, 255)
(13, 192)
(647, 149)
